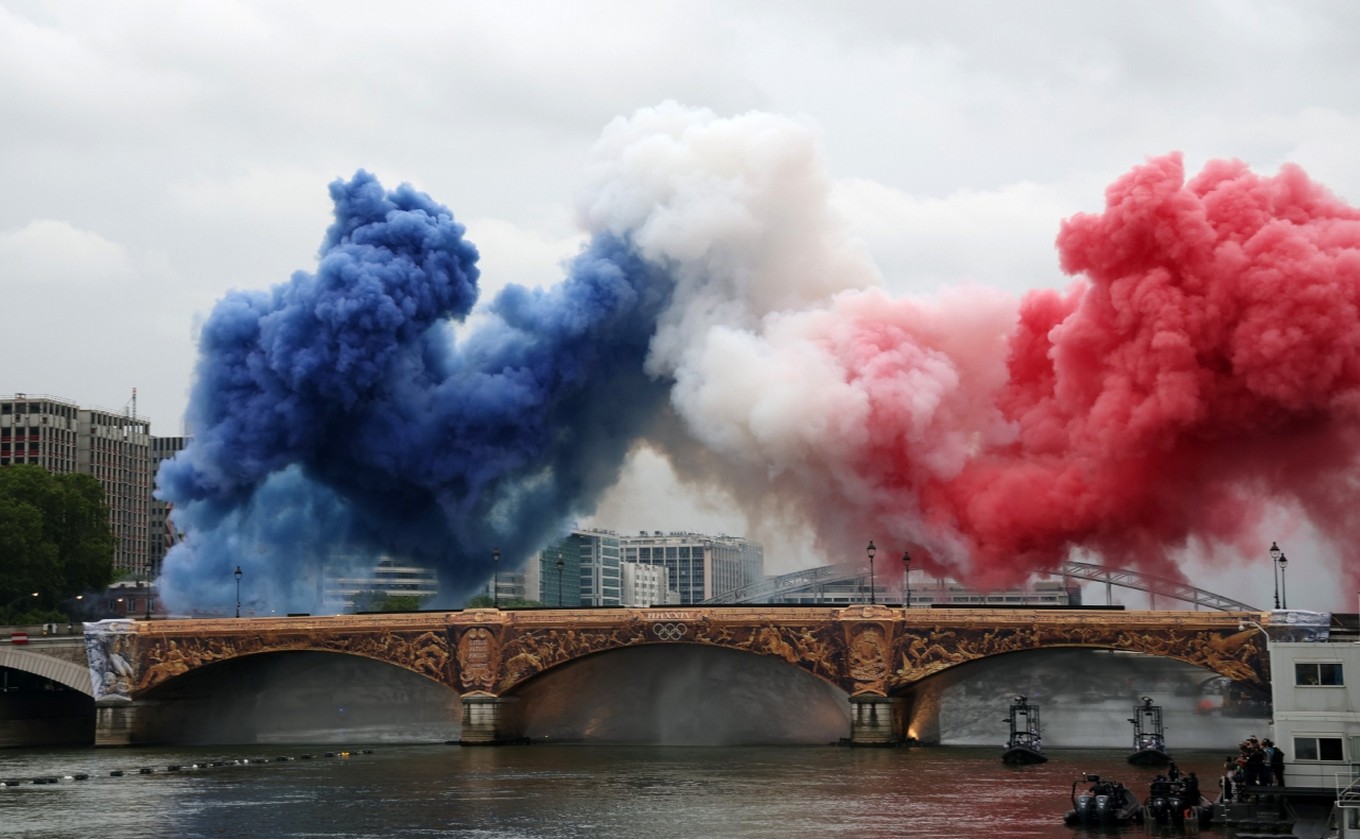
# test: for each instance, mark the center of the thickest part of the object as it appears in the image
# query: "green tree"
(380, 601)
(485, 601)
(55, 539)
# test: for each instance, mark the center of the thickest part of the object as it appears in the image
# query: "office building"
(161, 535)
(646, 585)
(697, 566)
(590, 571)
(113, 446)
(389, 577)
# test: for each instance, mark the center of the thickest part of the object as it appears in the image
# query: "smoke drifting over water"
(1084, 699)
(1203, 366)
(684, 695)
(305, 697)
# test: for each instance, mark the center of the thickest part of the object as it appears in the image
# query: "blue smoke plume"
(339, 417)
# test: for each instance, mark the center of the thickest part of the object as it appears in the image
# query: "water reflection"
(539, 791)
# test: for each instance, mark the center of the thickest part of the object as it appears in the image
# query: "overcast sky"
(155, 156)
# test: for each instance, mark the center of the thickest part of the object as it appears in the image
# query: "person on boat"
(1160, 788)
(1229, 783)
(1256, 772)
(1274, 764)
(1192, 793)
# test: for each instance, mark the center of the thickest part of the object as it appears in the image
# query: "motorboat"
(1149, 738)
(1104, 803)
(1175, 801)
(1025, 744)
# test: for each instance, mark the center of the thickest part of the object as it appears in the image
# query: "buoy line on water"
(177, 767)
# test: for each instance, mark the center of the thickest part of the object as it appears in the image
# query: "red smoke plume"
(1209, 366)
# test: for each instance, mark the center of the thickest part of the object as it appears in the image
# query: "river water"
(638, 792)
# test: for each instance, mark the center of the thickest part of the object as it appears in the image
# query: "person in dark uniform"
(1274, 763)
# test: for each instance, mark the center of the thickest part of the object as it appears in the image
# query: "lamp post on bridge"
(148, 588)
(496, 578)
(560, 563)
(906, 579)
(237, 575)
(1284, 592)
(1275, 555)
(873, 597)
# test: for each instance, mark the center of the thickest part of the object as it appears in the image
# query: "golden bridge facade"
(876, 654)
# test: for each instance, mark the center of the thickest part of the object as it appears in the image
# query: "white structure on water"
(1315, 694)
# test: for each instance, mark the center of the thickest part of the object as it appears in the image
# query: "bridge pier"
(877, 720)
(491, 721)
(120, 724)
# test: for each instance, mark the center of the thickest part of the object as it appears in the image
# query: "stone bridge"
(875, 654)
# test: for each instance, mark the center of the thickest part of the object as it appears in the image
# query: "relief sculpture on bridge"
(164, 656)
(868, 659)
(864, 650)
(526, 651)
(477, 659)
(112, 654)
(926, 650)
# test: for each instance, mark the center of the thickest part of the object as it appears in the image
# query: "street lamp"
(906, 577)
(1284, 592)
(238, 591)
(1275, 555)
(872, 550)
(148, 588)
(496, 584)
(10, 605)
(560, 563)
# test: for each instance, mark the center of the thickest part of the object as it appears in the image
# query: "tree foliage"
(485, 601)
(55, 539)
(380, 601)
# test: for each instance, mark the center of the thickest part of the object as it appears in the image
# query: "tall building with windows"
(558, 574)
(598, 574)
(698, 566)
(41, 430)
(113, 446)
(391, 577)
(646, 585)
(161, 534)
(601, 571)
(116, 449)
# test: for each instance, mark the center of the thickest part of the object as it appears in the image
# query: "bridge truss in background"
(826, 576)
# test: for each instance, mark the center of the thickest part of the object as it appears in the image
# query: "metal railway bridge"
(819, 580)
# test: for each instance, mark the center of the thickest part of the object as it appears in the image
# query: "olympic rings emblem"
(670, 631)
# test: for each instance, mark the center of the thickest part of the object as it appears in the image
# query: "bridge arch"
(177, 657)
(864, 650)
(771, 648)
(317, 695)
(62, 672)
(1085, 694)
(529, 654)
(937, 645)
(681, 694)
